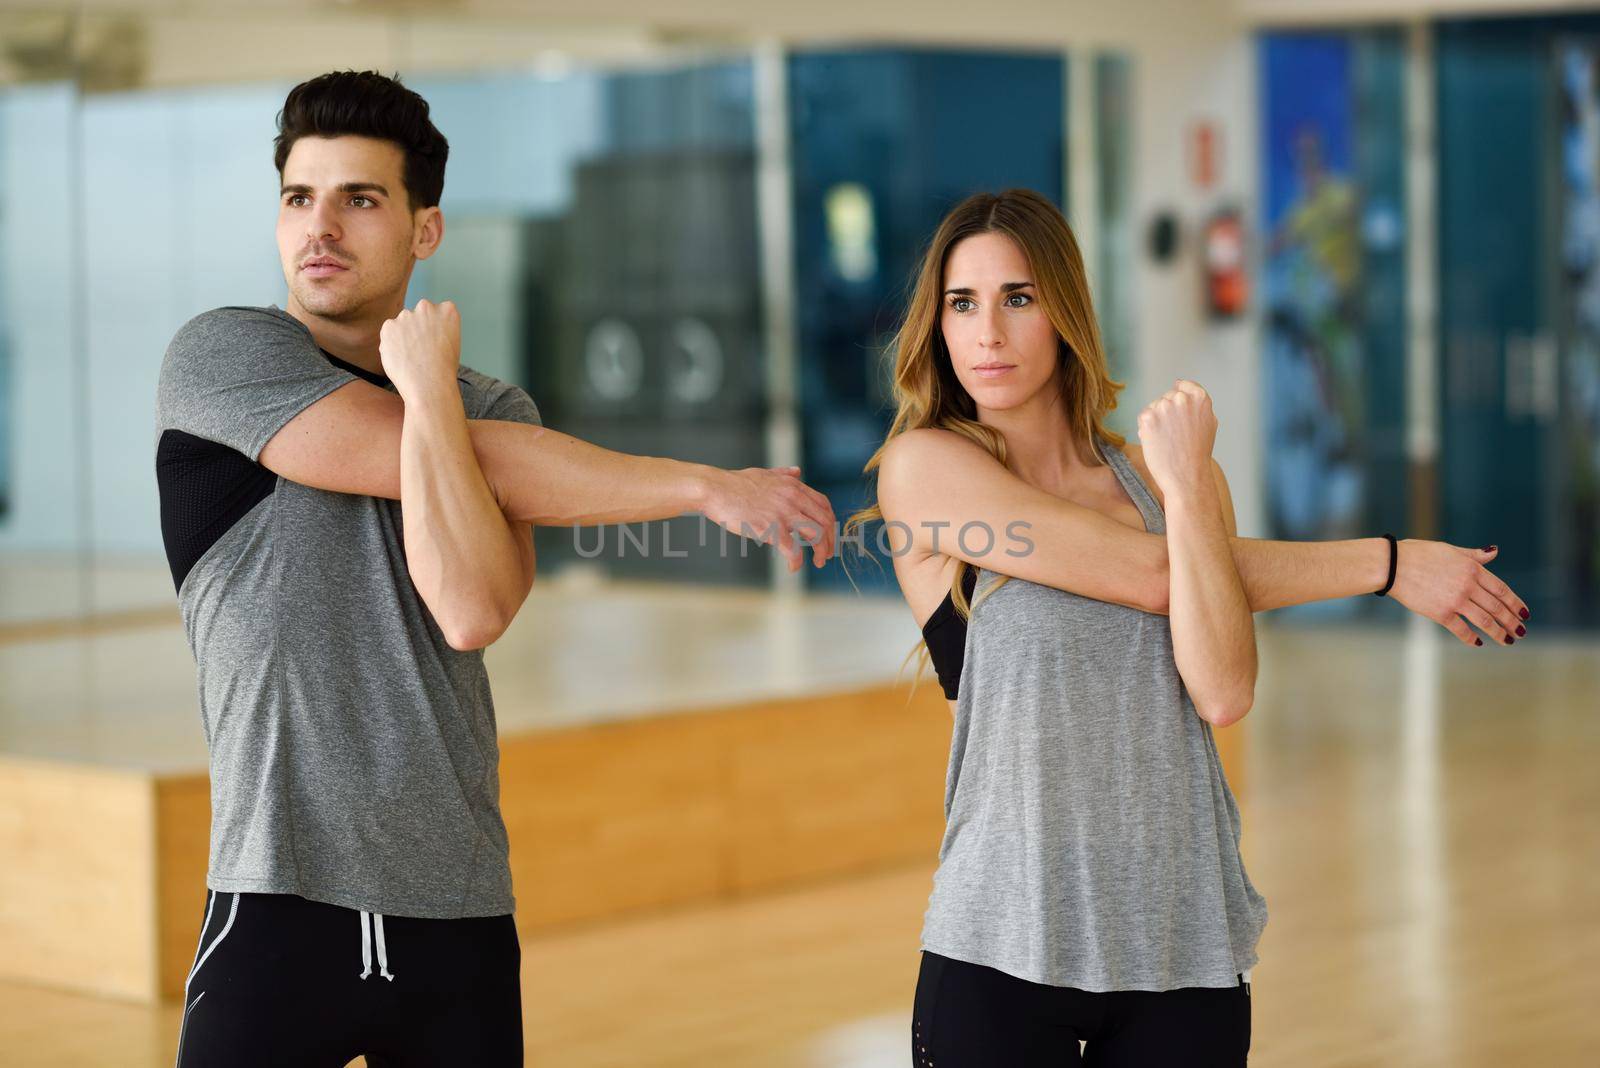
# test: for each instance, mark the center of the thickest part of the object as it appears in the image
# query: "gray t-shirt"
(1091, 840)
(353, 752)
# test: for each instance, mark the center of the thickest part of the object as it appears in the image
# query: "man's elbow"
(479, 623)
(467, 639)
(478, 629)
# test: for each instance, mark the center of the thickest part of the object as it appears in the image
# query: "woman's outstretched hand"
(1445, 583)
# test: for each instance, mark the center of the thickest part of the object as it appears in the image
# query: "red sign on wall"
(1205, 153)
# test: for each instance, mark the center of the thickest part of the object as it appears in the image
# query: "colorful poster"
(1311, 286)
(1578, 65)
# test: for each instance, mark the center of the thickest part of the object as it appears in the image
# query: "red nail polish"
(1524, 613)
(1477, 641)
(1510, 640)
(1521, 630)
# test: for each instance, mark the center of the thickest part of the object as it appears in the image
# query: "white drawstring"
(383, 958)
(366, 946)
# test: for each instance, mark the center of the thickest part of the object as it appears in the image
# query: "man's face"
(346, 233)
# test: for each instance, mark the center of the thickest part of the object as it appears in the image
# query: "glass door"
(1519, 263)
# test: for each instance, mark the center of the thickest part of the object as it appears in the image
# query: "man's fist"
(421, 348)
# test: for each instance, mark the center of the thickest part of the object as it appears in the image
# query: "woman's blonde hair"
(926, 390)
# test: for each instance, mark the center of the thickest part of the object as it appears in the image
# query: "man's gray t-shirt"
(353, 752)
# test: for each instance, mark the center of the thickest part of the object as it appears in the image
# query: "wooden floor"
(1423, 818)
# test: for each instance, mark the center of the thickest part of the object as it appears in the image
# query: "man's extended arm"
(349, 442)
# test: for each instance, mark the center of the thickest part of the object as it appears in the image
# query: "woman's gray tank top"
(1091, 839)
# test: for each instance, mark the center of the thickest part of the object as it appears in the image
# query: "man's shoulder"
(242, 315)
(235, 321)
(479, 382)
(497, 398)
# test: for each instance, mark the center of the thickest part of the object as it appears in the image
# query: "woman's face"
(1001, 343)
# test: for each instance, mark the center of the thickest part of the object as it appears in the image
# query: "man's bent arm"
(471, 565)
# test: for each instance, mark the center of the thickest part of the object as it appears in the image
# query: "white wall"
(166, 235)
(1177, 83)
(179, 209)
(37, 301)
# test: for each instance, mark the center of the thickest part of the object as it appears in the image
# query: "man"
(354, 780)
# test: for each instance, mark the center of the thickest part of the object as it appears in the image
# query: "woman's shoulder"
(930, 458)
(931, 443)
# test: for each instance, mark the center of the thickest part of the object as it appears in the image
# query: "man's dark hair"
(368, 104)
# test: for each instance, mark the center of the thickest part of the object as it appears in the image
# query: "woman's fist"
(1177, 430)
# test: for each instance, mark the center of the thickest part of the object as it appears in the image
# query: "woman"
(1089, 886)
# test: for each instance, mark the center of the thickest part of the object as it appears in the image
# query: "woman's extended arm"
(935, 483)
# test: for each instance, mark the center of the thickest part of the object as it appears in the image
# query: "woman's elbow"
(1225, 710)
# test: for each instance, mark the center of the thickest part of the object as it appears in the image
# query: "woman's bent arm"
(1213, 633)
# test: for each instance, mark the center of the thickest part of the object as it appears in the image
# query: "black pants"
(968, 1015)
(278, 981)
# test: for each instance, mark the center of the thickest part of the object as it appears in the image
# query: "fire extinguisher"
(1226, 284)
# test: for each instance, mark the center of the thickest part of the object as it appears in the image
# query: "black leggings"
(969, 1015)
(278, 980)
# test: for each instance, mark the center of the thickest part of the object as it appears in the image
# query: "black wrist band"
(1394, 558)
